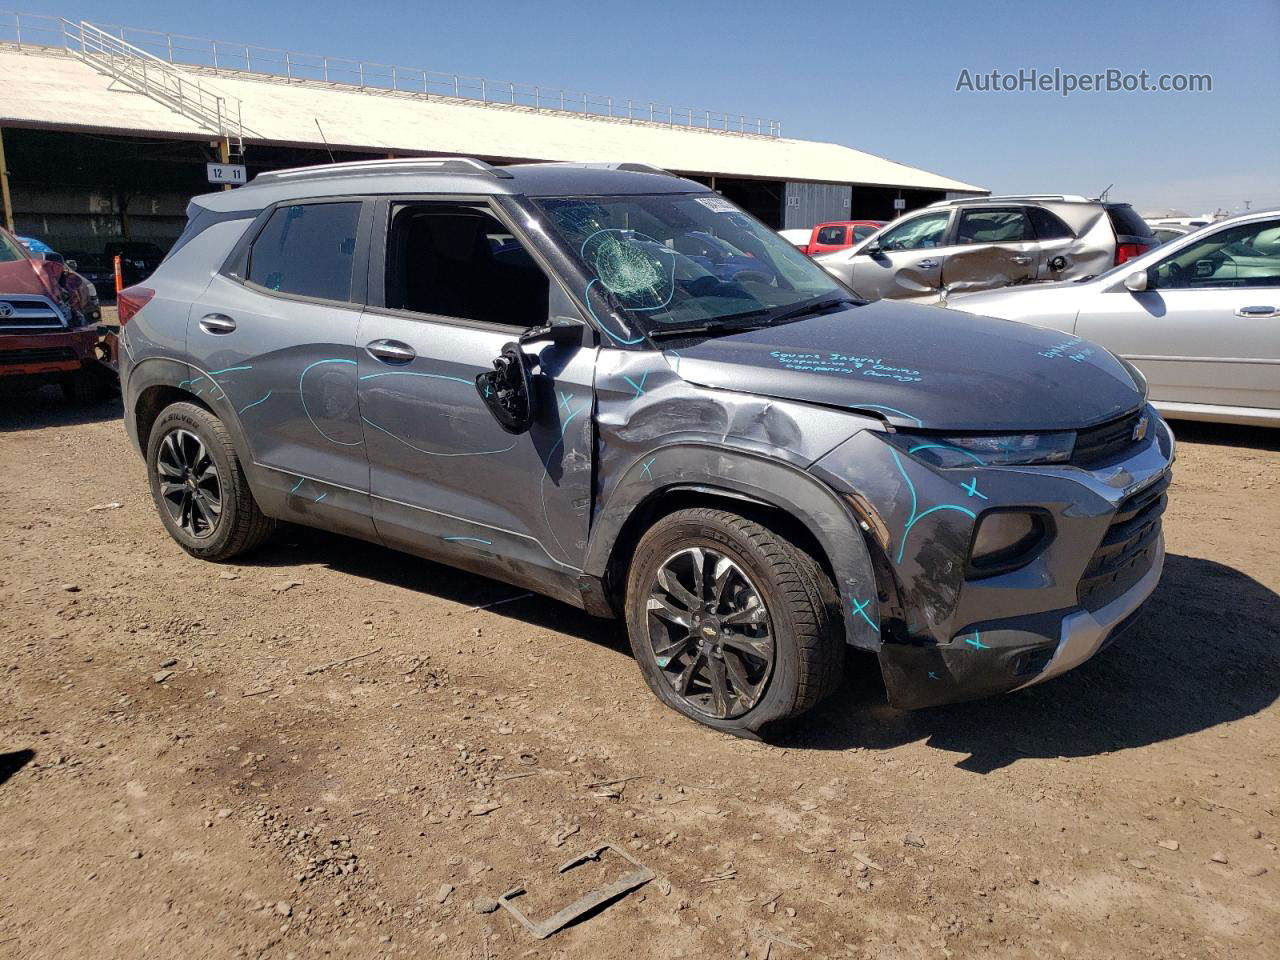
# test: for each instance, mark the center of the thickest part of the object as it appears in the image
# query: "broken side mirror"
(506, 389)
(1136, 282)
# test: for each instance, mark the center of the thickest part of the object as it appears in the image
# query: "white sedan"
(1199, 316)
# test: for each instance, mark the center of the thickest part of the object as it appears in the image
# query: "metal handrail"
(156, 78)
(219, 56)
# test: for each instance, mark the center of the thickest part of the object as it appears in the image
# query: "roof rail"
(1068, 197)
(468, 165)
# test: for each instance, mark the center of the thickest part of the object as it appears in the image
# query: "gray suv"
(611, 386)
(960, 246)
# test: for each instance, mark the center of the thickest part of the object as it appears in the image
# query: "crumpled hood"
(921, 366)
(23, 276)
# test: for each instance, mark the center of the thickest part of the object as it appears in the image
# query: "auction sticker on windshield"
(717, 204)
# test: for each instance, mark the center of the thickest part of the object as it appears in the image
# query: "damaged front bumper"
(947, 634)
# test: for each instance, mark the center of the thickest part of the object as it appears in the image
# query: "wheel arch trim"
(706, 469)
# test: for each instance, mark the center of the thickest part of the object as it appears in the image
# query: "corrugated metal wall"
(810, 203)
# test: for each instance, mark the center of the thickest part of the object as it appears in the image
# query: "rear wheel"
(199, 486)
(732, 624)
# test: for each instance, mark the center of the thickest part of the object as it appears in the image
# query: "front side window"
(922, 232)
(307, 249)
(459, 260)
(1247, 255)
(668, 260)
(831, 236)
(992, 226)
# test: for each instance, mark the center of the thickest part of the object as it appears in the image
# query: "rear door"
(272, 346)
(908, 263)
(450, 285)
(991, 247)
(1207, 329)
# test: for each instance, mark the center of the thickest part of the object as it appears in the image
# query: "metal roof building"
(107, 131)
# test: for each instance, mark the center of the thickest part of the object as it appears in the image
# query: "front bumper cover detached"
(1002, 659)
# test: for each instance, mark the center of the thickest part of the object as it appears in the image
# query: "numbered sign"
(232, 173)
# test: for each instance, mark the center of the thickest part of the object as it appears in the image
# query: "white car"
(1199, 316)
(797, 238)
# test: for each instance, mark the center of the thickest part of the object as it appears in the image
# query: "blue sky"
(879, 77)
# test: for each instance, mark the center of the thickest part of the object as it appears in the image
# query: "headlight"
(990, 450)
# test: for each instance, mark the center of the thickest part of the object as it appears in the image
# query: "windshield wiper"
(805, 309)
(710, 329)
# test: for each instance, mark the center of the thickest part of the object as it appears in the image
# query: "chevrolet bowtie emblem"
(1140, 429)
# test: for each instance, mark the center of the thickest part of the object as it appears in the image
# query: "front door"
(908, 264)
(452, 287)
(1207, 329)
(273, 345)
(992, 247)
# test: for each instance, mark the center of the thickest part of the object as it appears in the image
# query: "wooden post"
(224, 155)
(6, 201)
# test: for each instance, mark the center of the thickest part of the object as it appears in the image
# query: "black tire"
(239, 525)
(802, 614)
(86, 386)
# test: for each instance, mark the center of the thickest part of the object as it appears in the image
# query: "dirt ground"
(334, 750)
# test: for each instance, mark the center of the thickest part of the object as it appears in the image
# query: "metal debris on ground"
(486, 606)
(585, 904)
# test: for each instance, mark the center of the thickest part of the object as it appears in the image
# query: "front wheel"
(199, 486)
(732, 624)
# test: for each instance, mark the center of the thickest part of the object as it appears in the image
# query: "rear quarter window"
(1048, 226)
(1126, 222)
(308, 250)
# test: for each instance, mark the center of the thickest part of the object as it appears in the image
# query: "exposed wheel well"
(152, 402)
(665, 502)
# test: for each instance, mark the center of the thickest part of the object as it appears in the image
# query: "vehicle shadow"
(1226, 434)
(12, 762)
(45, 407)
(1190, 663)
(295, 547)
(1183, 667)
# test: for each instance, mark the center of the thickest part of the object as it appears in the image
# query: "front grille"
(1128, 547)
(20, 312)
(1101, 443)
(36, 355)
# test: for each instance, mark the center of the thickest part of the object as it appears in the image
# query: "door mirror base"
(1136, 282)
(506, 389)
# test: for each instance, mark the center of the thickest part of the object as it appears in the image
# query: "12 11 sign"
(232, 173)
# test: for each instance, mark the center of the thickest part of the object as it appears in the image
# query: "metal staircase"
(158, 79)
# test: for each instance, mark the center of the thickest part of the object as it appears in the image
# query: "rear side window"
(831, 236)
(1126, 222)
(1047, 225)
(308, 250)
(992, 226)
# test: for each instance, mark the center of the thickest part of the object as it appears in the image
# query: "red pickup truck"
(43, 334)
(839, 235)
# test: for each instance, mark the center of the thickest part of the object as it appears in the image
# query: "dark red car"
(839, 235)
(44, 337)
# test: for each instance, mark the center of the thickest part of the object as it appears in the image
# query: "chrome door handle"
(217, 323)
(1021, 261)
(391, 351)
(1257, 312)
(927, 264)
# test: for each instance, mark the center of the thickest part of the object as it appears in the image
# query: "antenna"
(324, 139)
(1103, 196)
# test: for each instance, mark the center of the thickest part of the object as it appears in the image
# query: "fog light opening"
(1005, 540)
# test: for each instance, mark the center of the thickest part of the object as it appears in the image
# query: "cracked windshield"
(673, 261)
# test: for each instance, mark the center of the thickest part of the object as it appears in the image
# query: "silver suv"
(615, 388)
(959, 246)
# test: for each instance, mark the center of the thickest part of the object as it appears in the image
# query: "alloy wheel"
(710, 632)
(190, 486)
